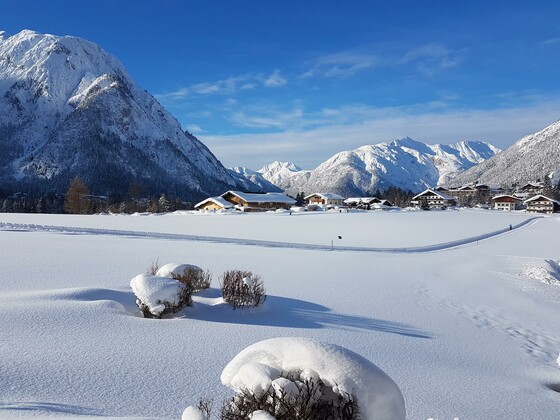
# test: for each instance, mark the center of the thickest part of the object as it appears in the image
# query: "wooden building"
(258, 201)
(214, 203)
(326, 199)
(530, 189)
(433, 199)
(368, 203)
(506, 202)
(542, 204)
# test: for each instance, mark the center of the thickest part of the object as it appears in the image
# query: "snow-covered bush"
(187, 273)
(303, 379)
(242, 288)
(331, 377)
(293, 396)
(159, 296)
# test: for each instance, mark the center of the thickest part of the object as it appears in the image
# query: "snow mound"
(168, 270)
(193, 413)
(262, 415)
(548, 273)
(256, 367)
(153, 291)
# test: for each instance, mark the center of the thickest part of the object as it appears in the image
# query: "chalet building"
(433, 199)
(367, 202)
(258, 201)
(326, 199)
(530, 189)
(506, 202)
(214, 203)
(466, 194)
(542, 204)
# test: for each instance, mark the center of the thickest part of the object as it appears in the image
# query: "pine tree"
(40, 206)
(77, 200)
(163, 203)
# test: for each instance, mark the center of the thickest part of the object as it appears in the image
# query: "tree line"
(79, 200)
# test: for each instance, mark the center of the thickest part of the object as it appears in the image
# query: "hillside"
(69, 108)
(530, 158)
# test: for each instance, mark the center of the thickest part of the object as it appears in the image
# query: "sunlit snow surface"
(464, 332)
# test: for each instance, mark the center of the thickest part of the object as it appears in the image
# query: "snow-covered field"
(470, 329)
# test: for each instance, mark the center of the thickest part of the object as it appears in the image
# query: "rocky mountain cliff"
(69, 108)
(404, 163)
(529, 159)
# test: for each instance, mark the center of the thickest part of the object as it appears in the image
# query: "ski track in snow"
(262, 243)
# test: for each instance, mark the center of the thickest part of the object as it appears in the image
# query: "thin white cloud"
(194, 128)
(428, 59)
(308, 147)
(342, 64)
(227, 87)
(431, 58)
(551, 41)
(275, 79)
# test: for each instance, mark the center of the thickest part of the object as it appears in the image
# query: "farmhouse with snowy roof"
(214, 203)
(326, 199)
(368, 202)
(433, 199)
(506, 202)
(258, 201)
(530, 189)
(542, 204)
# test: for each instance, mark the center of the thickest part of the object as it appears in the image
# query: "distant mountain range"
(404, 163)
(529, 159)
(69, 108)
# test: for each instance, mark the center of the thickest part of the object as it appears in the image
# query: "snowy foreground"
(459, 311)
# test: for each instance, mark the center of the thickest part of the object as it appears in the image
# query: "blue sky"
(260, 80)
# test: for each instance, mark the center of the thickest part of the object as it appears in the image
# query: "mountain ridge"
(530, 158)
(404, 163)
(67, 108)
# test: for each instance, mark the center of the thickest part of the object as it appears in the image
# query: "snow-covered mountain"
(404, 163)
(286, 175)
(69, 108)
(531, 158)
(252, 180)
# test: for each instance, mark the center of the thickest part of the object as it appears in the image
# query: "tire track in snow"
(257, 242)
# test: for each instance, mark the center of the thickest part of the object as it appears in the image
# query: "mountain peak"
(67, 108)
(403, 163)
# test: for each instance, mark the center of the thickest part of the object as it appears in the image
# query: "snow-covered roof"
(262, 198)
(216, 200)
(326, 196)
(496, 197)
(541, 197)
(532, 185)
(439, 194)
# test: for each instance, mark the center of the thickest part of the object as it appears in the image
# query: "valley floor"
(466, 329)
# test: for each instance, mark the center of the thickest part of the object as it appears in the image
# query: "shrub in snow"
(188, 274)
(293, 396)
(242, 288)
(159, 296)
(201, 412)
(297, 378)
(153, 268)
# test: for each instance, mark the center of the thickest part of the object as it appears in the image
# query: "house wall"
(541, 206)
(210, 206)
(334, 202)
(316, 200)
(504, 205)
